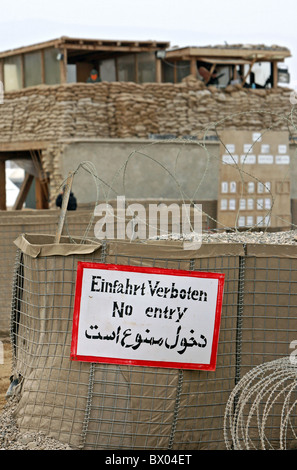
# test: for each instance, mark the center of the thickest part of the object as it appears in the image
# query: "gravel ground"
(266, 238)
(12, 439)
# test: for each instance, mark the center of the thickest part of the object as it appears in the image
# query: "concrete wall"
(142, 168)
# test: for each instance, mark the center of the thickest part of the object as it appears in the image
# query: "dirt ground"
(5, 370)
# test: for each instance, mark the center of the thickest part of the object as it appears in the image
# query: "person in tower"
(94, 77)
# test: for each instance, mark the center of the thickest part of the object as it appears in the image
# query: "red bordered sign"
(146, 316)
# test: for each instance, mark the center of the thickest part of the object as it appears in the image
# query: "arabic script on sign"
(146, 316)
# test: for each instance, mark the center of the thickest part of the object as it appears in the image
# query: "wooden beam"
(22, 147)
(136, 75)
(174, 73)
(223, 61)
(220, 52)
(274, 74)
(65, 200)
(235, 75)
(42, 67)
(158, 71)
(65, 40)
(23, 192)
(193, 67)
(23, 81)
(32, 48)
(41, 194)
(63, 67)
(2, 71)
(117, 48)
(76, 43)
(2, 186)
(248, 72)
(210, 73)
(116, 69)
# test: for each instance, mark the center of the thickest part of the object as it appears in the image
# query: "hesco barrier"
(12, 223)
(78, 224)
(109, 406)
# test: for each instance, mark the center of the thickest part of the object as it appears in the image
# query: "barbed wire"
(260, 413)
(107, 192)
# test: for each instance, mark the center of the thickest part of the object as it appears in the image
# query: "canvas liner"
(104, 406)
(12, 223)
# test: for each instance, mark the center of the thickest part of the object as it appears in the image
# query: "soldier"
(94, 77)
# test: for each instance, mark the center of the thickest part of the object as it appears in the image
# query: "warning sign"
(146, 316)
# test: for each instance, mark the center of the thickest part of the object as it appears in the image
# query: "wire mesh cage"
(109, 406)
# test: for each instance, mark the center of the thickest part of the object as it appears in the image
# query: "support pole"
(66, 194)
(23, 193)
(158, 71)
(41, 194)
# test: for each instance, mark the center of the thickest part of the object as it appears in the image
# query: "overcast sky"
(181, 22)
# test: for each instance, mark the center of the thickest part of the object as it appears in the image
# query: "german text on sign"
(146, 316)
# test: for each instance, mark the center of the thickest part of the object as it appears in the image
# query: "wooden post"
(63, 67)
(41, 194)
(2, 71)
(136, 75)
(116, 68)
(158, 71)
(193, 67)
(248, 72)
(42, 67)
(174, 72)
(23, 192)
(2, 186)
(235, 75)
(66, 194)
(23, 80)
(274, 74)
(210, 73)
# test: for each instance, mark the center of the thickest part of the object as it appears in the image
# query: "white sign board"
(146, 316)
